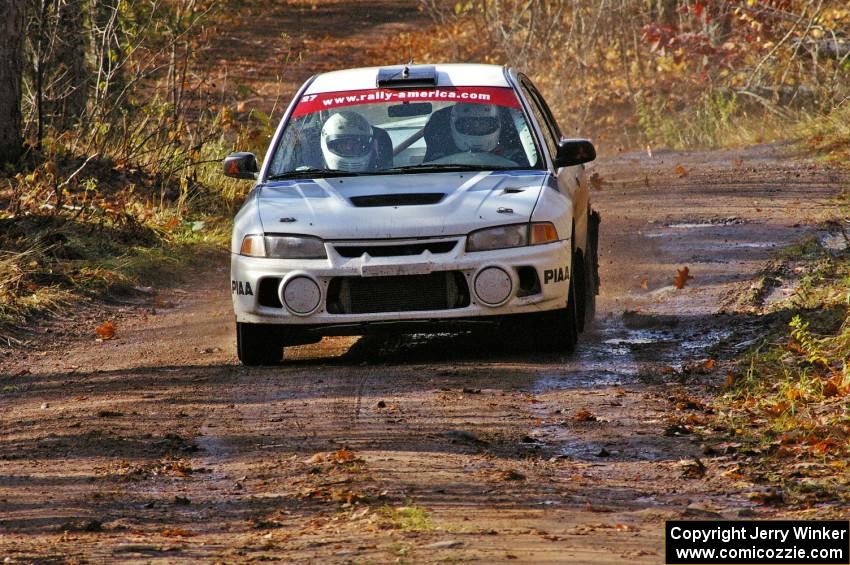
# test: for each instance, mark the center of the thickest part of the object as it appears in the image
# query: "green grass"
(408, 518)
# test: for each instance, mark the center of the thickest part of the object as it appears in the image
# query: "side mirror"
(574, 152)
(241, 165)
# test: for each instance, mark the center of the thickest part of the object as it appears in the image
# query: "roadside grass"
(409, 518)
(789, 400)
(72, 225)
(722, 121)
(827, 135)
(133, 195)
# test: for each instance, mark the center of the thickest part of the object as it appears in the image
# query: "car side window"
(549, 137)
(547, 112)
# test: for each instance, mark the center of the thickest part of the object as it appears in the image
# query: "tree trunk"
(66, 66)
(12, 24)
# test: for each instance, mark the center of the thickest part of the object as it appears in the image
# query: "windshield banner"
(500, 96)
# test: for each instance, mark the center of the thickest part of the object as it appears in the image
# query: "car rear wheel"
(258, 344)
(591, 270)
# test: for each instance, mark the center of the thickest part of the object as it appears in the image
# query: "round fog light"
(301, 295)
(493, 286)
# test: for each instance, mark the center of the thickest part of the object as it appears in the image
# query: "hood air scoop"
(408, 199)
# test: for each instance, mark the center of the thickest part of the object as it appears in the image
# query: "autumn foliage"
(671, 72)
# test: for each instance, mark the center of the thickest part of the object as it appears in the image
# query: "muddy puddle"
(616, 354)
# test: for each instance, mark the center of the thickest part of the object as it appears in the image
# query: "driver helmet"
(346, 142)
(475, 127)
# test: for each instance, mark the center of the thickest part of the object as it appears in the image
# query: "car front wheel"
(557, 330)
(258, 344)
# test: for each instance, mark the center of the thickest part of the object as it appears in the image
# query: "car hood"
(399, 206)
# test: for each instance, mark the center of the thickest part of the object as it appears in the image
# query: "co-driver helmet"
(475, 127)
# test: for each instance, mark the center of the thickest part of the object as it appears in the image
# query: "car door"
(571, 180)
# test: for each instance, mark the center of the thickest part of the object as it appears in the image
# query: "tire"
(258, 344)
(569, 319)
(557, 330)
(592, 267)
(582, 290)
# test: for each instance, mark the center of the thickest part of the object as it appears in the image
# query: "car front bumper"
(258, 297)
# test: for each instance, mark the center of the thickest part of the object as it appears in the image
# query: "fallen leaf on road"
(682, 277)
(824, 447)
(342, 456)
(105, 331)
(835, 386)
(584, 416)
(681, 171)
(644, 284)
(700, 366)
(695, 420)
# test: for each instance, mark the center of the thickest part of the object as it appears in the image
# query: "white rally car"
(411, 199)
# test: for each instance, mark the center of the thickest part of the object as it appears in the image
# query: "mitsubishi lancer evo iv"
(410, 199)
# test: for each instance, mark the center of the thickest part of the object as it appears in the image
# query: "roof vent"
(407, 76)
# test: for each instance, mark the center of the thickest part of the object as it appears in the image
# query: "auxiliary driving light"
(301, 295)
(493, 286)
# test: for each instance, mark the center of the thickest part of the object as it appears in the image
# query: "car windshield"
(379, 131)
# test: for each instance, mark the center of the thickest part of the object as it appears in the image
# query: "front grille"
(369, 295)
(409, 199)
(351, 251)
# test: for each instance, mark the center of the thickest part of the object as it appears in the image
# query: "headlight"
(501, 237)
(517, 235)
(283, 247)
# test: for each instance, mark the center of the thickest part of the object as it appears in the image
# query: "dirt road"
(158, 446)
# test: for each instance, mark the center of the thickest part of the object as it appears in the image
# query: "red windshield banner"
(500, 96)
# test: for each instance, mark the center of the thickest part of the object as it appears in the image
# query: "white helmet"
(475, 127)
(346, 142)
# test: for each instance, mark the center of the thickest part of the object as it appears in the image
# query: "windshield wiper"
(422, 168)
(427, 168)
(313, 173)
